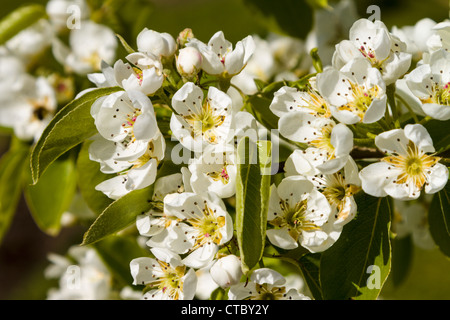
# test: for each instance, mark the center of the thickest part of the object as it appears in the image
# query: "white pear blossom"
(135, 171)
(299, 215)
(126, 117)
(410, 219)
(29, 43)
(373, 42)
(165, 276)
(60, 11)
(227, 271)
(88, 46)
(214, 171)
(205, 226)
(408, 167)
(159, 44)
(198, 121)
(156, 224)
(330, 26)
(338, 187)
(430, 83)
(219, 56)
(146, 75)
(87, 279)
(287, 100)
(331, 143)
(415, 37)
(265, 284)
(441, 38)
(29, 109)
(356, 92)
(260, 66)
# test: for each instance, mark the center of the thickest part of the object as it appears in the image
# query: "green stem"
(425, 120)
(407, 106)
(390, 92)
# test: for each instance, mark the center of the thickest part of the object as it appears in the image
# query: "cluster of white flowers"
(190, 225)
(30, 97)
(203, 90)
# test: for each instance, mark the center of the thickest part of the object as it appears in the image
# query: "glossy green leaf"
(440, 134)
(310, 266)
(119, 215)
(19, 20)
(252, 197)
(439, 220)
(122, 213)
(357, 265)
(52, 195)
(12, 165)
(71, 126)
(88, 177)
(117, 252)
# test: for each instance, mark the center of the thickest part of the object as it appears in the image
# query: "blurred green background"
(24, 249)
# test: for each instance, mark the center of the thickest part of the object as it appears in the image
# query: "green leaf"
(252, 197)
(310, 266)
(88, 177)
(126, 46)
(117, 252)
(122, 213)
(71, 125)
(19, 20)
(402, 253)
(12, 165)
(439, 219)
(52, 195)
(440, 134)
(357, 265)
(317, 62)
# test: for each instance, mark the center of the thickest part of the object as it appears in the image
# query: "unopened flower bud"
(189, 62)
(156, 43)
(184, 37)
(226, 271)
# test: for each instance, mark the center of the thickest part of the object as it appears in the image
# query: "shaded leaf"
(439, 219)
(52, 195)
(12, 165)
(70, 126)
(357, 265)
(19, 20)
(252, 197)
(88, 177)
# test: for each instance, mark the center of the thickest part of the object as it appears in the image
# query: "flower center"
(170, 282)
(439, 95)
(266, 292)
(221, 175)
(208, 227)
(316, 103)
(361, 98)
(323, 141)
(293, 219)
(414, 165)
(203, 121)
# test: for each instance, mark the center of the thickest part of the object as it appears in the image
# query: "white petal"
(437, 179)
